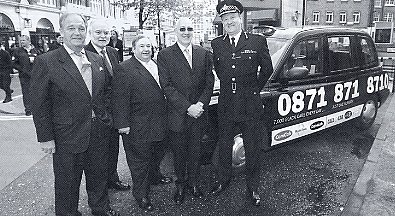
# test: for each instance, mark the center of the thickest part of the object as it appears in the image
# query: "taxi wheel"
(238, 155)
(368, 115)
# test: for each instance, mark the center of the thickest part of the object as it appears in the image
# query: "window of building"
(343, 17)
(389, 2)
(377, 3)
(329, 17)
(47, 2)
(316, 17)
(376, 17)
(356, 17)
(388, 17)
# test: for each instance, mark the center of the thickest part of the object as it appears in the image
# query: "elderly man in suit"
(140, 115)
(23, 61)
(237, 57)
(100, 36)
(71, 92)
(185, 72)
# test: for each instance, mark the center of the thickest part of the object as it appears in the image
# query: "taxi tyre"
(368, 115)
(238, 155)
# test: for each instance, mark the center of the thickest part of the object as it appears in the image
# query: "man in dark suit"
(116, 43)
(23, 61)
(100, 36)
(185, 72)
(71, 92)
(237, 57)
(5, 71)
(140, 115)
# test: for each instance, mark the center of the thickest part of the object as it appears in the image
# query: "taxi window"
(368, 53)
(339, 53)
(306, 54)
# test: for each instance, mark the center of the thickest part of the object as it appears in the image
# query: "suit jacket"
(111, 52)
(119, 46)
(22, 60)
(62, 105)
(237, 69)
(183, 85)
(5, 62)
(138, 102)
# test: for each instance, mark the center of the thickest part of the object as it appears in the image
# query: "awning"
(262, 15)
(44, 25)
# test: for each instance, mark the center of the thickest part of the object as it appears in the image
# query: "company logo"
(283, 135)
(348, 114)
(316, 125)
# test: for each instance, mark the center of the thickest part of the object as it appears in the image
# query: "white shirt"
(237, 37)
(183, 48)
(152, 68)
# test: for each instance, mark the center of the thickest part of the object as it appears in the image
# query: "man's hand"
(124, 130)
(48, 147)
(195, 110)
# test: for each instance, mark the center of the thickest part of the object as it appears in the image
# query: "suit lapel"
(70, 67)
(180, 55)
(145, 73)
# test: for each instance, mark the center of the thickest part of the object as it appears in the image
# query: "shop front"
(7, 31)
(44, 34)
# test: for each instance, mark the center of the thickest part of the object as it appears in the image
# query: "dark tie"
(107, 61)
(233, 42)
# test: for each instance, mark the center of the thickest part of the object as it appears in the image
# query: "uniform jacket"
(184, 86)
(23, 60)
(62, 105)
(119, 48)
(5, 62)
(138, 102)
(238, 68)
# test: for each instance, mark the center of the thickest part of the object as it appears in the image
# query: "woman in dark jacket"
(116, 43)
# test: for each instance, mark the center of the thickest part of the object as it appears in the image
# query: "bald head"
(100, 32)
(184, 31)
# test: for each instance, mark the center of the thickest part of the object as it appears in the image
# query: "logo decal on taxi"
(283, 135)
(316, 125)
(348, 114)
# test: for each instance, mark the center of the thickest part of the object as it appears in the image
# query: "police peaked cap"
(229, 6)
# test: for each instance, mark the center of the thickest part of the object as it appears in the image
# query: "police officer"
(237, 57)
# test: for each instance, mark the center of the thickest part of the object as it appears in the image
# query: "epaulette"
(220, 36)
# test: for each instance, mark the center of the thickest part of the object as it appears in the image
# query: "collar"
(70, 51)
(237, 37)
(98, 49)
(189, 47)
(145, 63)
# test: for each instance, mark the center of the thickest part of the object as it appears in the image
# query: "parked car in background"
(322, 77)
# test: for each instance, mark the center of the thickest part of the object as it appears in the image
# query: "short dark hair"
(137, 38)
(65, 15)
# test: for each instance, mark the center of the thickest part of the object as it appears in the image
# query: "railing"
(388, 64)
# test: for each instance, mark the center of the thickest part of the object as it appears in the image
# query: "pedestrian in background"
(71, 92)
(116, 43)
(237, 57)
(56, 43)
(5, 72)
(140, 115)
(23, 58)
(185, 72)
(100, 36)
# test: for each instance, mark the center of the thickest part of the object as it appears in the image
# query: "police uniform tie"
(107, 61)
(188, 57)
(233, 41)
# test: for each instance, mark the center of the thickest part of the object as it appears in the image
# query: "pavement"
(373, 193)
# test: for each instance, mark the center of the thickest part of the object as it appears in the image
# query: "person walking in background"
(185, 72)
(116, 43)
(71, 91)
(23, 58)
(237, 57)
(140, 115)
(5, 72)
(100, 36)
(56, 44)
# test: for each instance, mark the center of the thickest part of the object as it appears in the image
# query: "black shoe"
(219, 188)
(110, 212)
(254, 197)
(28, 113)
(145, 204)
(118, 185)
(195, 191)
(12, 91)
(7, 99)
(179, 195)
(162, 180)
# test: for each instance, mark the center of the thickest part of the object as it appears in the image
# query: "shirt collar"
(70, 51)
(98, 49)
(145, 63)
(237, 37)
(189, 47)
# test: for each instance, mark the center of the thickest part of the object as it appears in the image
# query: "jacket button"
(233, 79)
(233, 66)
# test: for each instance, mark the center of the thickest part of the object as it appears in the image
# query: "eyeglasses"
(184, 29)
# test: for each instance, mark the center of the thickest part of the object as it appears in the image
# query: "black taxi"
(322, 77)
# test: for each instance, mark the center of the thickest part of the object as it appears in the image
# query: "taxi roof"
(289, 33)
